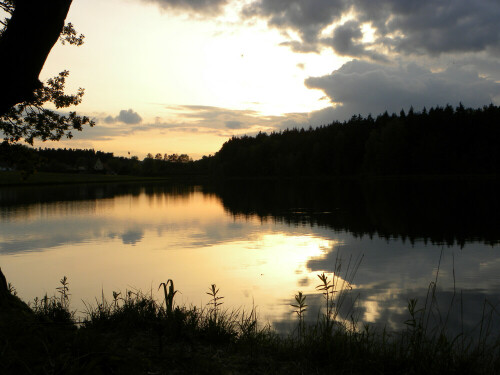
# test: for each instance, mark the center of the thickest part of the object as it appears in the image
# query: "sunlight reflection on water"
(138, 240)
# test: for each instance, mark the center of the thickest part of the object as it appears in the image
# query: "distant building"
(98, 166)
(4, 167)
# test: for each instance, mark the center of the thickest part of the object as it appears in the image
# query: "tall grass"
(55, 309)
(169, 295)
(424, 346)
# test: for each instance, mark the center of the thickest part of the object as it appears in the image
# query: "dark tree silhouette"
(26, 40)
(461, 141)
(31, 32)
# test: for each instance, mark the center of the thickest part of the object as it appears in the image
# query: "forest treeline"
(28, 159)
(441, 140)
(438, 141)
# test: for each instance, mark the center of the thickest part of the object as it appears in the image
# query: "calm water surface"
(259, 244)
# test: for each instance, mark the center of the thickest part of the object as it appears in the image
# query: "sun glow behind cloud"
(246, 69)
(137, 57)
(152, 56)
(144, 59)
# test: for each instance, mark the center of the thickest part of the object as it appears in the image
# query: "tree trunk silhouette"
(31, 33)
(4, 289)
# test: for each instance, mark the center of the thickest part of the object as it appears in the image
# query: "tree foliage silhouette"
(438, 141)
(27, 34)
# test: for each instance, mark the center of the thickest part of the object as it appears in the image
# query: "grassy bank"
(44, 178)
(132, 333)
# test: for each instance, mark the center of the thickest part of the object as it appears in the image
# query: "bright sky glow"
(194, 73)
(136, 56)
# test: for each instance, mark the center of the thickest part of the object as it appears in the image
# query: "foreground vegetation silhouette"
(134, 333)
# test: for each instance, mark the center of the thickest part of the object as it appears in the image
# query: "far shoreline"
(15, 179)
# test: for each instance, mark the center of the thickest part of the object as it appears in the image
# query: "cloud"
(347, 41)
(101, 132)
(200, 7)
(379, 31)
(199, 119)
(226, 121)
(346, 38)
(108, 127)
(427, 26)
(423, 27)
(234, 124)
(357, 87)
(109, 120)
(306, 17)
(125, 116)
(365, 87)
(132, 237)
(129, 117)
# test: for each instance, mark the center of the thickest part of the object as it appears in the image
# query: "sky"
(184, 76)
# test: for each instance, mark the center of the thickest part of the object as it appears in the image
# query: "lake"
(261, 243)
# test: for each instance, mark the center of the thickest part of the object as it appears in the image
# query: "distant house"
(4, 167)
(98, 166)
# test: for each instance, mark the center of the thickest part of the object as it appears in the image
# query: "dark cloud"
(201, 7)
(101, 132)
(488, 65)
(210, 112)
(427, 26)
(129, 117)
(132, 237)
(407, 26)
(300, 47)
(125, 116)
(347, 41)
(363, 87)
(401, 28)
(234, 124)
(305, 281)
(218, 118)
(306, 17)
(223, 122)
